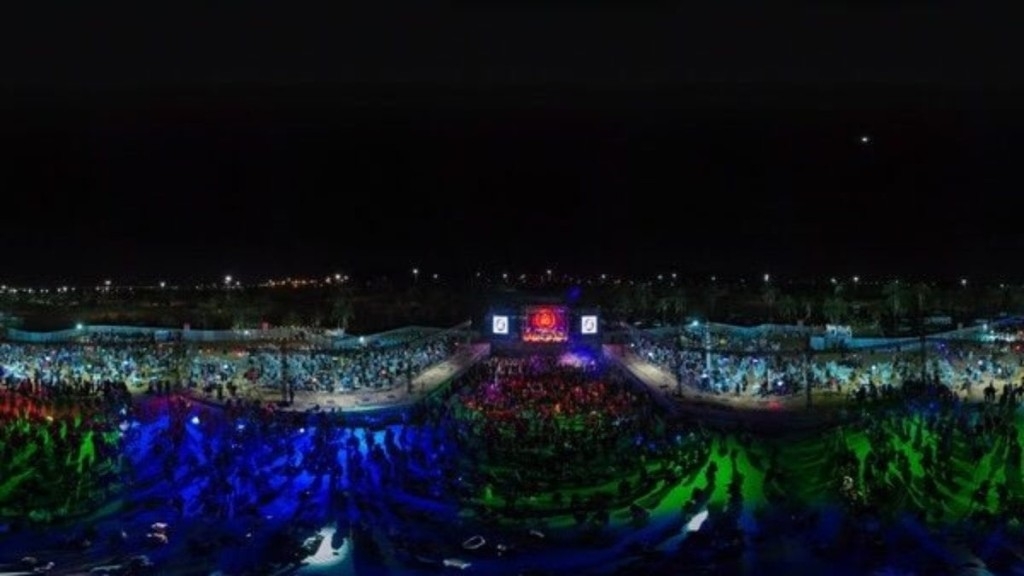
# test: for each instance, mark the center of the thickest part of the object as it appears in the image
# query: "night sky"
(709, 141)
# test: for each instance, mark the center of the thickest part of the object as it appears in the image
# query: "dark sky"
(725, 140)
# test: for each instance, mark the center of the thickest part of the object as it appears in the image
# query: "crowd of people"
(541, 435)
(569, 415)
(60, 451)
(965, 368)
(224, 371)
(935, 458)
(80, 366)
(67, 439)
(314, 370)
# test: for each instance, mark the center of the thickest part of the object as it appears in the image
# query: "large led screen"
(545, 324)
(499, 325)
(588, 324)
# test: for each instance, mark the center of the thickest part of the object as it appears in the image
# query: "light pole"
(415, 275)
(707, 348)
(807, 372)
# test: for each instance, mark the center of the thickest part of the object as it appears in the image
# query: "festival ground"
(664, 386)
(917, 488)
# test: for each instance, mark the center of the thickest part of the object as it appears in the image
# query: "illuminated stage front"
(534, 326)
(547, 324)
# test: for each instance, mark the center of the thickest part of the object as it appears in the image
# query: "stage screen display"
(588, 324)
(499, 325)
(545, 324)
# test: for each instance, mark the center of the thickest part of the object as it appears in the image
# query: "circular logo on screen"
(500, 325)
(589, 325)
(544, 319)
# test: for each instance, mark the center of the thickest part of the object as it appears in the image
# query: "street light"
(415, 275)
